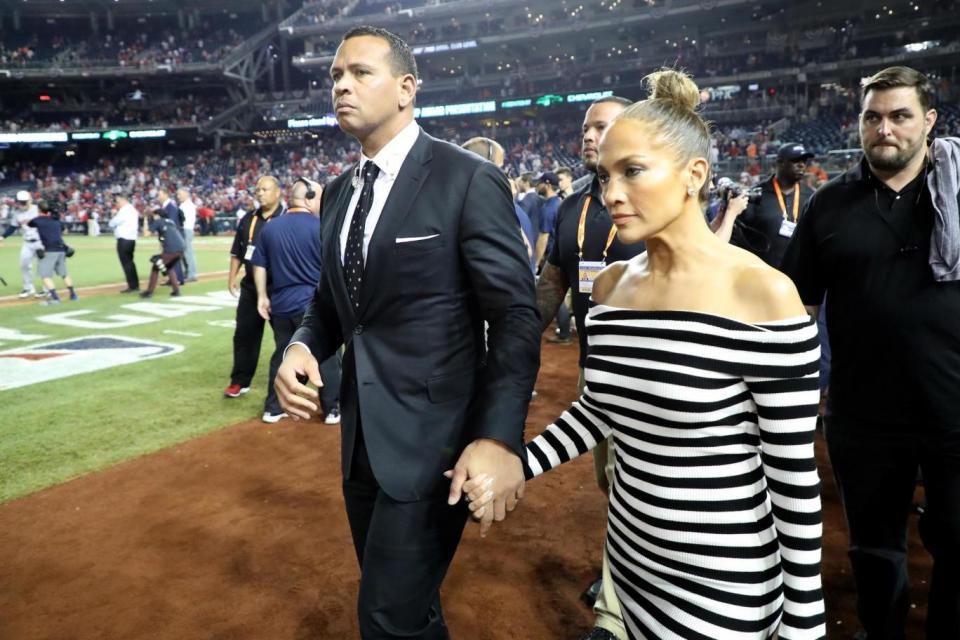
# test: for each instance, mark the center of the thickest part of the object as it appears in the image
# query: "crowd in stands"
(126, 112)
(224, 180)
(135, 45)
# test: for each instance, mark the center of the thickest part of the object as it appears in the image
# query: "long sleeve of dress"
(786, 395)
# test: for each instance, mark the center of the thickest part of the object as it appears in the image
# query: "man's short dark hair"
(896, 77)
(401, 57)
(565, 171)
(623, 102)
(527, 177)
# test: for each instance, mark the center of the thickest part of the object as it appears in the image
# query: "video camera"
(727, 190)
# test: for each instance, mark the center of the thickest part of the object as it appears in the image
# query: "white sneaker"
(333, 417)
(271, 418)
(26, 293)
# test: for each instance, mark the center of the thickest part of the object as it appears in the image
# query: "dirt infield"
(242, 535)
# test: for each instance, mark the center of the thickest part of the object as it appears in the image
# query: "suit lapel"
(413, 174)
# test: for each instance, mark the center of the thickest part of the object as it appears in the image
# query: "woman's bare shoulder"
(612, 274)
(768, 293)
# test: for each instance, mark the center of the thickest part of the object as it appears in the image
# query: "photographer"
(767, 224)
(171, 247)
(53, 256)
(731, 201)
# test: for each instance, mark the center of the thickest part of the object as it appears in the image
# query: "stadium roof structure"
(75, 8)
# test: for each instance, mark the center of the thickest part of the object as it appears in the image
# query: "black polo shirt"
(564, 253)
(894, 330)
(763, 220)
(242, 238)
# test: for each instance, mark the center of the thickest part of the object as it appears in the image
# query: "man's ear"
(408, 89)
(930, 119)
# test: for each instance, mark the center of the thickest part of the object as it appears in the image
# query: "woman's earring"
(690, 191)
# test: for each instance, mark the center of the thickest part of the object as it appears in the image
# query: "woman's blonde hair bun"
(673, 85)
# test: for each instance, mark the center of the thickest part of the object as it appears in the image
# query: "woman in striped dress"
(703, 366)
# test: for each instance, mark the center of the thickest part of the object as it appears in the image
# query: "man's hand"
(495, 474)
(233, 286)
(297, 399)
(263, 308)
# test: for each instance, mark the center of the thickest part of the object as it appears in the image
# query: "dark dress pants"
(404, 550)
(247, 336)
(283, 330)
(876, 469)
(125, 250)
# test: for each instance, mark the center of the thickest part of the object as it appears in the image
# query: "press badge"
(589, 270)
(787, 227)
(249, 254)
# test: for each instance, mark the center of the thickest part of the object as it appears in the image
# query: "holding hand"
(488, 472)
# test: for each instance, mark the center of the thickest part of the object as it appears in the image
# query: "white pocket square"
(417, 238)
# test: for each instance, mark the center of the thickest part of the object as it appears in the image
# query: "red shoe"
(235, 391)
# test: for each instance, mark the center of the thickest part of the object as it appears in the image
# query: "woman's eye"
(633, 172)
(604, 179)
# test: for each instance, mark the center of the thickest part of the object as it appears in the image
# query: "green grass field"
(61, 428)
(96, 262)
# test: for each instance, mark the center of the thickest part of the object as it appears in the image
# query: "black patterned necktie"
(353, 256)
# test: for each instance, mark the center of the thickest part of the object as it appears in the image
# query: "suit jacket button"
(358, 329)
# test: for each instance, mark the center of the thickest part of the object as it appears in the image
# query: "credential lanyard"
(783, 205)
(582, 231)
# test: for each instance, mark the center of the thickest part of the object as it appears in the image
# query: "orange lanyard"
(253, 225)
(783, 205)
(582, 232)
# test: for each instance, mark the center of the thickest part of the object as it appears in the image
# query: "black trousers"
(404, 550)
(876, 469)
(125, 250)
(247, 336)
(283, 329)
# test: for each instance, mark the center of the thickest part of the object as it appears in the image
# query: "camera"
(727, 189)
(157, 261)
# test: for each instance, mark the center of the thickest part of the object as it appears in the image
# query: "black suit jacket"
(427, 382)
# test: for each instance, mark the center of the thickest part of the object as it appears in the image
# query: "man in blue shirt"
(54, 253)
(286, 270)
(548, 187)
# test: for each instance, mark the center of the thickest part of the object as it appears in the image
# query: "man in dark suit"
(423, 249)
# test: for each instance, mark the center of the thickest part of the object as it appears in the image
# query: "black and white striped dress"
(714, 520)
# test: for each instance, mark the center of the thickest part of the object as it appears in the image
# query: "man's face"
(267, 193)
(544, 189)
(791, 170)
(894, 127)
(566, 183)
(595, 122)
(366, 94)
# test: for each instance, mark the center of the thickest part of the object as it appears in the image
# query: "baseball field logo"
(54, 360)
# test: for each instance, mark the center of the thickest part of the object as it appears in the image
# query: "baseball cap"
(23, 196)
(549, 177)
(793, 151)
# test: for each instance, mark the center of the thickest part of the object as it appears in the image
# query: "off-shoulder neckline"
(672, 314)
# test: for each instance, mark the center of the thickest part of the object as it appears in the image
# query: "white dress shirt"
(125, 223)
(189, 214)
(388, 160)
